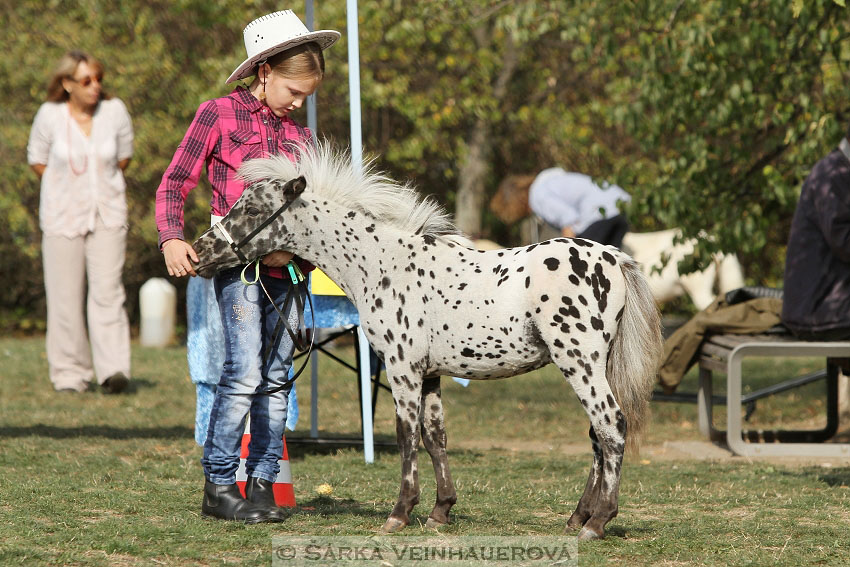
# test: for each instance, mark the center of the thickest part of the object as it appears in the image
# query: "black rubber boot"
(224, 501)
(260, 492)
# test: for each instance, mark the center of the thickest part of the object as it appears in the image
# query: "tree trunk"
(471, 194)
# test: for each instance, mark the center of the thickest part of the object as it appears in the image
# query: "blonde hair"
(65, 69)
(304, 61)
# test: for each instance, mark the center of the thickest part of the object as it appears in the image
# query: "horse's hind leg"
(609, 428)
(598, 505)
(586, 505)
(434, 439)
(407, 398)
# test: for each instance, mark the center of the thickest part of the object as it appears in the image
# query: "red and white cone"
(284, 493)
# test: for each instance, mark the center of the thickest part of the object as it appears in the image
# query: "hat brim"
(325, 38)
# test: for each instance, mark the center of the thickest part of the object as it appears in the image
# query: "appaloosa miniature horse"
(432, 306)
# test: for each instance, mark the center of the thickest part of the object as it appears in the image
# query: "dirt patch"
(666, 451)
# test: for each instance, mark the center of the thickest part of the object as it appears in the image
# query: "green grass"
(98, 480)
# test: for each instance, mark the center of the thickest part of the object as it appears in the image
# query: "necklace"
(70, 161)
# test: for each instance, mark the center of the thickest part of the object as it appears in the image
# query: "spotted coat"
(431, 305)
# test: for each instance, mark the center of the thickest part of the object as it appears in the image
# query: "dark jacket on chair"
(817, 263)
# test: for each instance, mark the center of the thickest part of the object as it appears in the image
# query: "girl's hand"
(277, 259)
(178, 254)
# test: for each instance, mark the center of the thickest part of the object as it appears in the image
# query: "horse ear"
(294, 187)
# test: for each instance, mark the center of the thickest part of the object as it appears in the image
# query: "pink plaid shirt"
(225, 132)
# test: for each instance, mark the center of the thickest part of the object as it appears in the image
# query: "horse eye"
(253, 211)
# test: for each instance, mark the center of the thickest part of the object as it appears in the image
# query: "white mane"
(330, 175)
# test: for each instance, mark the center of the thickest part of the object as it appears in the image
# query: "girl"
(287, 62)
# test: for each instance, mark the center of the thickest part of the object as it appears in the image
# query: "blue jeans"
(249, 320)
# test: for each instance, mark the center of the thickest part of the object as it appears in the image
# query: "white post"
(312, 121)
(366, 396)
(354, 84)
(357, 162)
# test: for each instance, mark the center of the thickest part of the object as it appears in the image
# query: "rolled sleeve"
(124, 132)
(183, 173)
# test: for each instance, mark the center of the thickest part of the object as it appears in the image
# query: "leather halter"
(236, 246)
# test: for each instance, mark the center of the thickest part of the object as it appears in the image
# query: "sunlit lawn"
(97, 480)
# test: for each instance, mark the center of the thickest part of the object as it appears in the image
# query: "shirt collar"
(244, 97)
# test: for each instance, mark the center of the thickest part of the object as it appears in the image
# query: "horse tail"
(635, 352)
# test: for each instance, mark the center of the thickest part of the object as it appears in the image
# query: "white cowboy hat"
(271, 34)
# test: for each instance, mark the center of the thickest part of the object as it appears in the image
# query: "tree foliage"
(736, 102)
(710, 113)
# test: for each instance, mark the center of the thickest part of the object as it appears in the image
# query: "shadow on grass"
(325, 506)
(104, 431)
(619, 531)
(330, 443)
(838, 476)
(138, 383)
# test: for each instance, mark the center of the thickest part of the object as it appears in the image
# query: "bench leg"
(832, 413)
(704, 407)
(734, 433)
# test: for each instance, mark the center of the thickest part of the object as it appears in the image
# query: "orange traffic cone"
(284, 493)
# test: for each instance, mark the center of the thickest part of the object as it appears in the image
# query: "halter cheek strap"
(233, 245)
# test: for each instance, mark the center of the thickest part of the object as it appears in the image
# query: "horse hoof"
(586, 534)
(433, 524)
(392, 525)
(575, 522)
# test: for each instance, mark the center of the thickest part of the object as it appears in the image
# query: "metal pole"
(354, 84)
(312, 121)
(357, 163)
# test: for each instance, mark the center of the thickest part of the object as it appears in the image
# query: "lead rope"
(299, 336)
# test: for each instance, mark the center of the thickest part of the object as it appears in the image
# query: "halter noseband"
(235, 246)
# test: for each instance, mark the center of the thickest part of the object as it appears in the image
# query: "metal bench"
(726, 353)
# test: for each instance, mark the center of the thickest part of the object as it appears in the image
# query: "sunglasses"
(86, 81)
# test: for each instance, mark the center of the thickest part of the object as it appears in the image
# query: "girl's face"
(85, 86)
(285, 94)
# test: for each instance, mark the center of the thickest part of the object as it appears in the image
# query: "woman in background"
(80, 144)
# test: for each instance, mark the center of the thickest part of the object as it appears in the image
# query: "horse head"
(254, 226)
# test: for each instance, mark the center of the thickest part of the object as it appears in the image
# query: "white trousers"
(68, 263)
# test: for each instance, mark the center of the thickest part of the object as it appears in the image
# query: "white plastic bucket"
(158, 306)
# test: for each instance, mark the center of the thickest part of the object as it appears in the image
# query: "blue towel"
(205, 352)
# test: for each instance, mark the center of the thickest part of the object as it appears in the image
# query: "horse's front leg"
(406, 395)
(434, 438)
